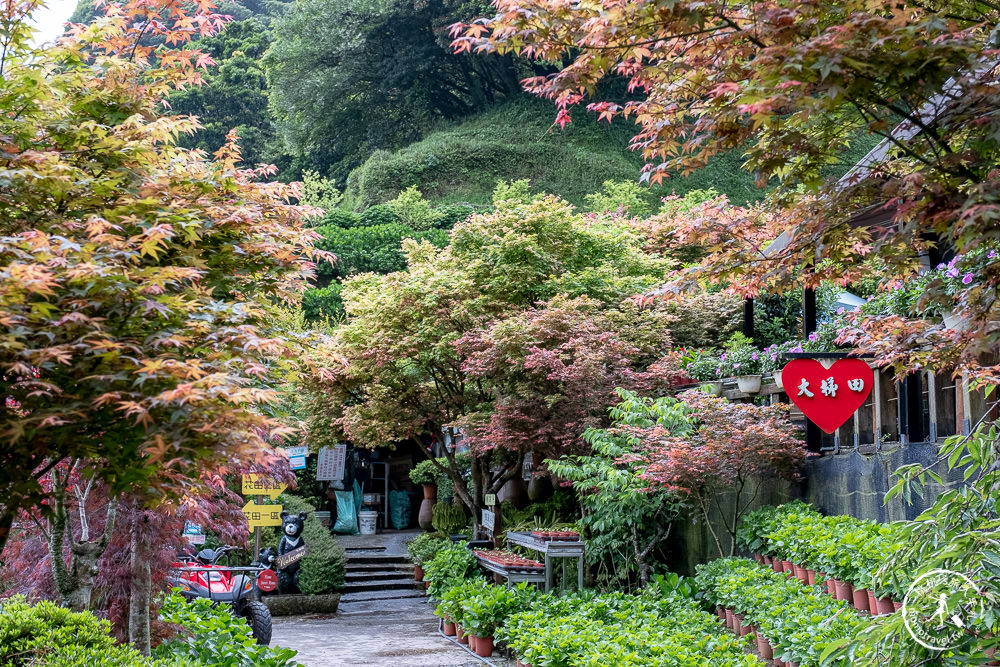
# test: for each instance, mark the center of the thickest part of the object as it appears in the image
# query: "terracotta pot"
(751, 630)
(829, 583)
(885, 606)
(425, 516)
(430, 492)
(745, 629)
(787, 567)
(721, 613)
(730, 619)
(462, 637)
(738, 624)
(778, 662)
(811, 577)
(844, 591)
(449, 629)
(484, 647)
(792, 664)
(764, 648)
(472, 642)
(859, 598)
(776, 564)
(800, 574)
(872, 603)
(897, 605)
(418, 573)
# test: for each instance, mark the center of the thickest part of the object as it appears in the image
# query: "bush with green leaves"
(481, 608)
(450, 566)
(448, 518)
(375, 249)
(426, 472)
(323, 303)
(702, 365)
(212, 636)
(423, 548)
(340, 217)
(47, 635)
(740, 357)
(414, 211)
(452, 214)
(379, 214)
(627, 198)
(800, 622)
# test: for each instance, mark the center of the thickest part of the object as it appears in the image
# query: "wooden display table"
(552, 549)
(512, 573)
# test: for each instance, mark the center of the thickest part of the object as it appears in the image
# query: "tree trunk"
(140, 594)
(6, 522)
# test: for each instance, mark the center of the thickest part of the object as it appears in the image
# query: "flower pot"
(738, 624)
(758, 558)
(418, 573)
(777, 378)
(764, 648)
(800, 574)
(430, 491)
(897, 605)
(885, 606)
(872, 603)
(721, 613)
(776, 564)
(425, 516)
(745, 628)
(752, 630)
(730, 619)
(748, 384)
(859, 598)
(449, 629)
(845, 591)
(462, 637)
(778, 662)
(787, 567)
(828, 583)
(955, 321)
(713, 388)
(765, 560)
(811, 577)
(484, 647)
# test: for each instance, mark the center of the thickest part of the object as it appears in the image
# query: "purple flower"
(754, 356)
(941, 266)
(840, 311)
(724, 356)
(774, 357)
(797, 348)
(991, 254)
(952, 272)
(814, 336)
(736, 365)
(967, 278)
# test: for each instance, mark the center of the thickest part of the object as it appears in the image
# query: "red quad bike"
(201, 577)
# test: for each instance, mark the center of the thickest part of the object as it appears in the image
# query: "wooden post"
(877, 408)
(748, 328)
(932, 406)
(813, 434)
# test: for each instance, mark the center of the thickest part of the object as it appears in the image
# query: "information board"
(330, 464)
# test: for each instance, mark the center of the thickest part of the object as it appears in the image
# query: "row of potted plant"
(475, 609)
(852, 557)
(791, 623)
(422, 550)
(509, 560)
(654, 627)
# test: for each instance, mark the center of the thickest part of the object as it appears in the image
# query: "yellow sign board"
(260, 516)
(258, 485)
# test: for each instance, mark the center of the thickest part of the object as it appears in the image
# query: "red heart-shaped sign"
(828, 397)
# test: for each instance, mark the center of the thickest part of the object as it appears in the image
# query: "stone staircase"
(372, 575)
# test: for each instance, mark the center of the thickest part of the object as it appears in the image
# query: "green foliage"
(340, 217)
(481, 608)
(450, 566)
(323, 303)
(626, 196)
(425, 472)
(380, 214)
(740, 357)
(463, 161)
(47, 635)
(661, 627)
(448, 518)
(322, 569)
(375, 249)
(414, 211)
(625, 521)
(704, 320)
(424, 547)
(809, 620)
(451, 214)
(212, 636)
(320, 192)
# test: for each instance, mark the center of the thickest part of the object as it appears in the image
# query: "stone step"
(377, 596)
(374, 567)
(380, 585)
(375, 559)
(376, 575)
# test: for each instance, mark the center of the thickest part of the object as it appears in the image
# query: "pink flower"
(754, 356)
(814, 336)
(967, 278)
(952, 272)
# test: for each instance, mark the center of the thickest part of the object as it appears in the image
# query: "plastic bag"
(399, 509)
(347, 514)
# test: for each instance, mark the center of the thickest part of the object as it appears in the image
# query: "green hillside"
(463, 161)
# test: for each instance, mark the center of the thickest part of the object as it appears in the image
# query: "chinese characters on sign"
(297, 457)
(259, 516)
(828, 396)
(258, 485)
(330, 464)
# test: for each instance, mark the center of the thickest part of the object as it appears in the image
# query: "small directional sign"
(258, 485)
(259, 516)
(490, 499)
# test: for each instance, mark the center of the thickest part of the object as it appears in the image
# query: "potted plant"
(426, 475)
(742, 361)
(422, 549)
(703, 365)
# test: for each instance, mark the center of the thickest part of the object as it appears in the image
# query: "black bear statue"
(291, 538)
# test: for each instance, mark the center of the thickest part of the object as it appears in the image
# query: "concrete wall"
(849, 483)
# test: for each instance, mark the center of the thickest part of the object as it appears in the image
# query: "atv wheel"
(259, 619)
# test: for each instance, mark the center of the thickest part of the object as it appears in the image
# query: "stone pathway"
(389, 626)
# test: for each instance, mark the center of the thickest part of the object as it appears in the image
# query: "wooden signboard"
(293, 556)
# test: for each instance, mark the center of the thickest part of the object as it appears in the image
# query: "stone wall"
(848, 483)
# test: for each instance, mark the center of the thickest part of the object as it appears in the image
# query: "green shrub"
(322, 569)
(47, 635)
(626, 196)
(376, 249)
(379, 214)
(319, 303)
(212, 636)
(449, 567)
(452, 214)
(423, 548)
(448, 519)
(414, 211)
(340, 217)
(425, 472)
